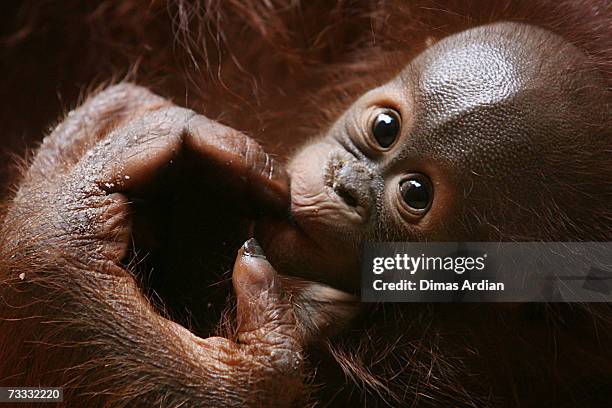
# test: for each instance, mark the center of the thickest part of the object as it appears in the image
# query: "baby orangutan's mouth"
(330, 205)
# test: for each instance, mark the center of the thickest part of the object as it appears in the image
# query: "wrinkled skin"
(452, 100)
(71, 218)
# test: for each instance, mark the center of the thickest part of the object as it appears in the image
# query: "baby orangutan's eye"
(417, 193)
(385, 127)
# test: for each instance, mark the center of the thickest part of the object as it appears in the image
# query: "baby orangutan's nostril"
(346, 195)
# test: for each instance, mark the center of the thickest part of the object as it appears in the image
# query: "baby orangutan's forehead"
(490, 98)
(472, 75)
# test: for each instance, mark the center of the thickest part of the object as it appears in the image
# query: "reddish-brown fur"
(292, 68)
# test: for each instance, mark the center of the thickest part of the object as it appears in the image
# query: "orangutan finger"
(84, 126)
(264, 315)
(133, 155)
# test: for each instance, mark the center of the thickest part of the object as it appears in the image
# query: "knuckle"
(276, 348)
(218, 342)
(171, 120)
(125, 92)
(281, 360)
(214, 132)
(175, 112)
(117, 103)
(94, 120)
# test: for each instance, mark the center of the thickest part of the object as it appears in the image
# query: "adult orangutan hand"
(71, 306)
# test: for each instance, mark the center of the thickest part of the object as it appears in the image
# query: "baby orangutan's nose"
(351, 180)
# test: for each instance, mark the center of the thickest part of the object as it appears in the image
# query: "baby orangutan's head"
(487, 135)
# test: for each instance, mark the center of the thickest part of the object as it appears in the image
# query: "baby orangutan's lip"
(356, 211)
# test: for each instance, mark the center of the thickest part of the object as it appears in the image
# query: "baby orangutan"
(499, 133)
(487, 135)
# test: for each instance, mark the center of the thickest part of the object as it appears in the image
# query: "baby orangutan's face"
(428, 155)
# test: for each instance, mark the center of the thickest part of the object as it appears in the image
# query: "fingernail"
(252, 248)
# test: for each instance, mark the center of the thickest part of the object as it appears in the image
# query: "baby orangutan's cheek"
(315, 206)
